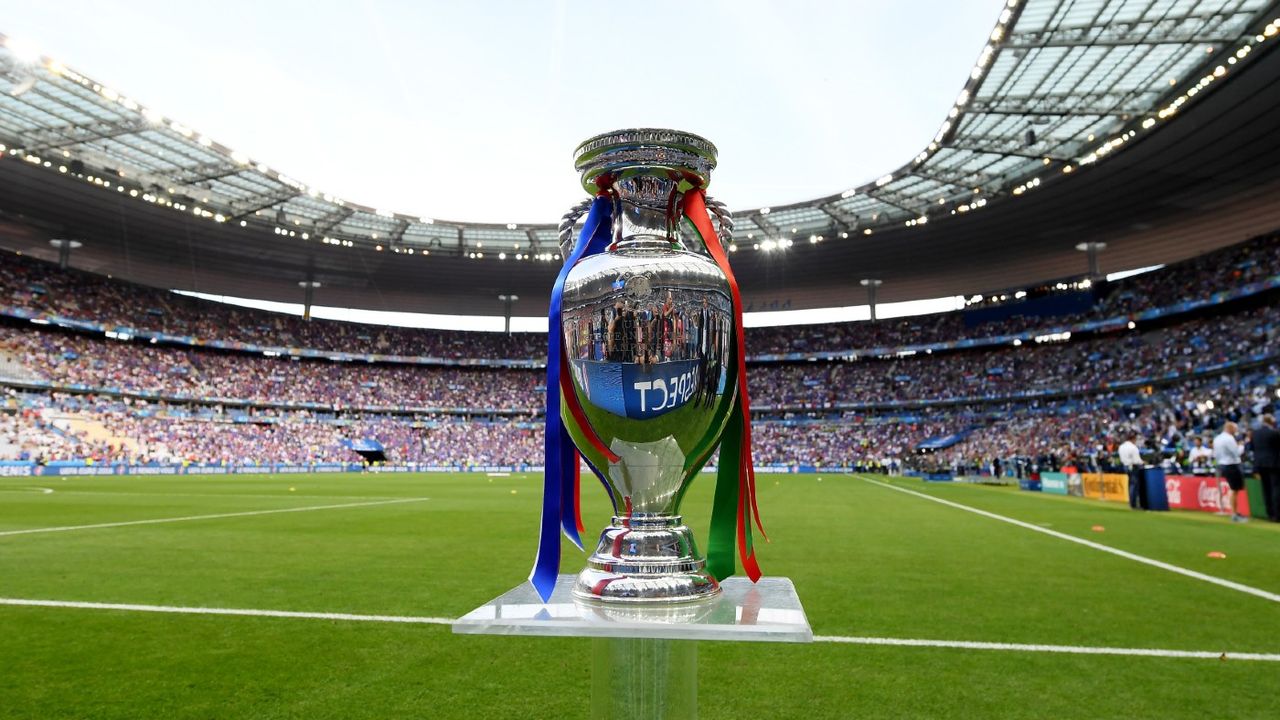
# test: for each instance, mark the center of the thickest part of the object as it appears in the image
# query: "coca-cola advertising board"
(1200, 492)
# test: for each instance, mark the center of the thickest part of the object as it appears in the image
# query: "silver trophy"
(647, 331)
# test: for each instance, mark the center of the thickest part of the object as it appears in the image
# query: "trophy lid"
(642, 151)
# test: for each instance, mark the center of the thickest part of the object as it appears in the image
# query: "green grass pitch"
(867, 562)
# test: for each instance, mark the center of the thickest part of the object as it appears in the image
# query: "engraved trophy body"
(647, 331)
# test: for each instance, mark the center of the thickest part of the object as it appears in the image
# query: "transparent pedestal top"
(766, 611)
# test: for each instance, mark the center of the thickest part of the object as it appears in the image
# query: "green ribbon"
(724, 509)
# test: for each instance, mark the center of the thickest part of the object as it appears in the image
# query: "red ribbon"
(695, 208)
(575, 410)
(577, 493)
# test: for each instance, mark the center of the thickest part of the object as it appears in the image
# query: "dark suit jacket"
(1266, 447)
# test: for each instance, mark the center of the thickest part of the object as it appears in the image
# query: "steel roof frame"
(1077, 74)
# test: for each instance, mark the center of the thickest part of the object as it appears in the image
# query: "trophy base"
(649, 559)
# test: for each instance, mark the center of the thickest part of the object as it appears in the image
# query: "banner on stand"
(1106, 486)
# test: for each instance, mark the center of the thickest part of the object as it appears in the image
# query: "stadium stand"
(87, 384)
(34, 287)
(78, 360)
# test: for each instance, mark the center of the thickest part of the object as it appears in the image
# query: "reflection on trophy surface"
(647, 330)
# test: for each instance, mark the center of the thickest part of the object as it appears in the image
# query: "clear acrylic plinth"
(644, 662)
(765, 611)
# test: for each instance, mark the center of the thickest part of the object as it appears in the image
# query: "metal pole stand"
(645, 658)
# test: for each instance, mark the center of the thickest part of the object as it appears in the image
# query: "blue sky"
(470, 110)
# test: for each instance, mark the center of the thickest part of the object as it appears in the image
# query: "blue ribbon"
(559, 452)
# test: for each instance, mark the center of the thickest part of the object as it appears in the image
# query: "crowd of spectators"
(1014, 440)
(1194, 279)
(51, 426)
(44, 287)
(138, 433)
(37, 286)
(1045, 442)
(77, 359)
(27, 435)
(1170, 424)
(66, 358)
(807, 412)
(825, 444)
(1011, 371)
(299, 441)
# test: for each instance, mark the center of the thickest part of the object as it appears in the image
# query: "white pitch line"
(427, 620)
(244, 612)
(248, 513)
(1066, 649)
(260, 496)
(1239, 587)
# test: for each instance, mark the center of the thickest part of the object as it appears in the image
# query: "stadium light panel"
(23, 51)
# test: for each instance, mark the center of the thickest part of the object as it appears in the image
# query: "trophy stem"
(644, 679)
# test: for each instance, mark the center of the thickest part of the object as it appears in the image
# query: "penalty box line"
(838, 639)
(215, 516)
(1239, 587)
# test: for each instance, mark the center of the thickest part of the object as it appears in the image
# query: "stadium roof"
(1061, 86)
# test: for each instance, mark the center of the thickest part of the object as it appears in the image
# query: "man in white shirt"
(1131, 459)
(1226, 453)
(1199, 457)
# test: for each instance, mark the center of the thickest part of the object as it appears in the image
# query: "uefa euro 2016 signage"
(646, 374)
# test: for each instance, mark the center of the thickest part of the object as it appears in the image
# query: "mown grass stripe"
(215, 516)
(1232, 585)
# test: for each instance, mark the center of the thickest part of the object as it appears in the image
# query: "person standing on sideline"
(1266, 460)
(1226, 452)
(1199, 457)
(1131, 459)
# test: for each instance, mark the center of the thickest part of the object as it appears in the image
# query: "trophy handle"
(566, 226)
(724, 220)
